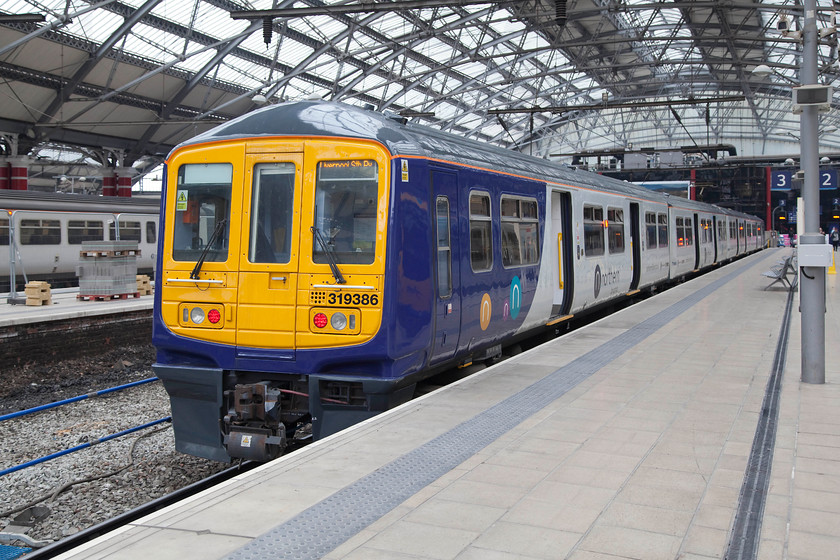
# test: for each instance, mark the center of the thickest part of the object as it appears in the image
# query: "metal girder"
(69, 88)
(448, 62)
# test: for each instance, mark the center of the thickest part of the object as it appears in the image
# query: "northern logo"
(597, 280)
(608, 279)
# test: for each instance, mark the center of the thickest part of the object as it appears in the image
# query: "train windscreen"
(202, 201)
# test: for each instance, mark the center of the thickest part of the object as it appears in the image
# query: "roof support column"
(124, 175)
(19, 173)
(812, 278)
(109, 182)
(5, 175)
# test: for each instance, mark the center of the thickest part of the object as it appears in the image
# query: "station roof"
(103, 82)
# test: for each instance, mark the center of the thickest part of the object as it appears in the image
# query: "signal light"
(201, 315)
(320, 320)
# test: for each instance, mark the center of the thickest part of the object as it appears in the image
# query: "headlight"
(338, 321)
(197, 315)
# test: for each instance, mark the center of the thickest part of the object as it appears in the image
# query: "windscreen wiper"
(330, 256)
(216, 233)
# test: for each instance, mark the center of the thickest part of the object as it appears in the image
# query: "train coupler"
(256, 444)
(252, 428)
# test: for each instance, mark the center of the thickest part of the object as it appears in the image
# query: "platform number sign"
(828, 179)
(782, 180)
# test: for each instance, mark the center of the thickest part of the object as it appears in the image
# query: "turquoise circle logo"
(515, 297)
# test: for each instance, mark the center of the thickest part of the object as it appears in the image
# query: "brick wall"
(72, 338)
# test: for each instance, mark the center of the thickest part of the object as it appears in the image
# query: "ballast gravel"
(138, 467)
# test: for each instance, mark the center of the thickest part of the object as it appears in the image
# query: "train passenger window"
(520, 231)
(481, 241)
(151, 232)
(346, 193)
(444, 250)
(689, 232)
(272, 213)
(79, 231)
(202, 206)
(741, 233)
(662, 220)
(680, 231)
(615, 229)
(4, 231)
(129, 231)
(733, 230)
(650, 229)
(40, 232)
(593, 231)
(721, 230)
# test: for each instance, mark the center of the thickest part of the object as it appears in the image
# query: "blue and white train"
(317, 260)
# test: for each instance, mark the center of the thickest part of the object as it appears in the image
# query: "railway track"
(147, 508)
(100, 481)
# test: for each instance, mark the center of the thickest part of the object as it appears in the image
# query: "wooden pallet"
(98, 253)
(109, 297)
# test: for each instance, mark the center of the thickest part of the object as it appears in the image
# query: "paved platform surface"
(629, 438)
(65, 305)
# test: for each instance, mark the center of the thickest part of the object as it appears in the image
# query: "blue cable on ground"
(82, 446)
(75, 399)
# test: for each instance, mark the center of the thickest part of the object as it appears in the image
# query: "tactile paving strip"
(324, 526)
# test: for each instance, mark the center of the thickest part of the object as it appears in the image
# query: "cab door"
(268, 261)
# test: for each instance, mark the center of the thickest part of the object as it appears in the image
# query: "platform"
(70, 327)
(629, 438)
(67, 305)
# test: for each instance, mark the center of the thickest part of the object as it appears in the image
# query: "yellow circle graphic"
(486, 311)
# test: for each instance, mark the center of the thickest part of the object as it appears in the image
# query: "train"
(317, 260)
(49, 229)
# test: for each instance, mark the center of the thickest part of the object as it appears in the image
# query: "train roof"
(64, 202)
(324, 118)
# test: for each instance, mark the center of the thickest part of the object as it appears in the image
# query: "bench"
(779, 273)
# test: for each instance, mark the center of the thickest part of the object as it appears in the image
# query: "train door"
(715, 239)
(636, 245)
(268, 262)
(561, 226)
(698, 240)
(447, 265)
